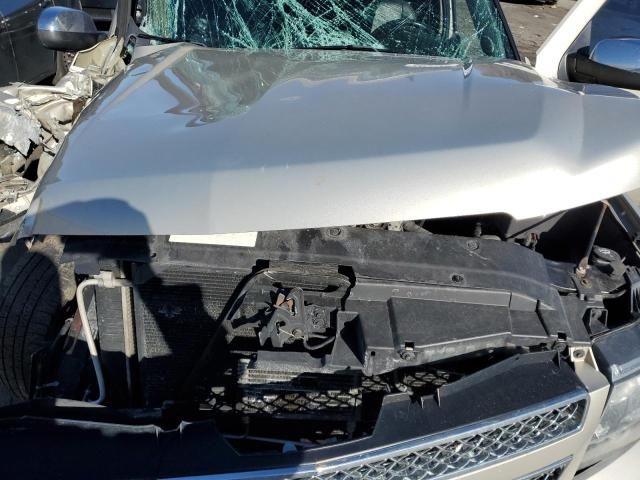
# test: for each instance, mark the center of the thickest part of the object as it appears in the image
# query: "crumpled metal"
(16, 129)
(35, 119)
(15, 192)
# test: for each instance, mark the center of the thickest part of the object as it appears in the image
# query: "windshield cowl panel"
(441, 28)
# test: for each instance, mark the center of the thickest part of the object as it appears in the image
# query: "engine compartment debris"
(35, 119)
(308, 338)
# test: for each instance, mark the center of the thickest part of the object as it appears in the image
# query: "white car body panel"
(550, 55)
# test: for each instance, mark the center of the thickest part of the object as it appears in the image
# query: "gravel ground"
(532, 22)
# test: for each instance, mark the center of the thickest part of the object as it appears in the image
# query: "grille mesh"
(551, 474)
(341, 395)
(465, 453)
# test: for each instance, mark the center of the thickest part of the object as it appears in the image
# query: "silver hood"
(199, 141)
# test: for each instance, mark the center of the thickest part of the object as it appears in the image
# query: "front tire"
(34, 293)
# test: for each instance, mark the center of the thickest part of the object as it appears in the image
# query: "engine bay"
(298, 340)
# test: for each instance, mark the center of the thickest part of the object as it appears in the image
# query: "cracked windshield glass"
(465, 29)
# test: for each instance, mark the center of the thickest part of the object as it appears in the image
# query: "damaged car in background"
(34, 119)
(338, 239)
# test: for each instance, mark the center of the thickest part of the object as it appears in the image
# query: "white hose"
(106, 280)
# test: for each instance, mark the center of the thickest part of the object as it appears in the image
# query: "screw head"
(473, 244)
(578, 354)
(335, 231)
(407, 355)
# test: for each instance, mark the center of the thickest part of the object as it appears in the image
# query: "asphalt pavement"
(532, 22)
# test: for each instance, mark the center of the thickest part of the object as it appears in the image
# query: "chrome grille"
(482, 448)
(552, 472)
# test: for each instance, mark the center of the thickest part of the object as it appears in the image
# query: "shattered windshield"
(443, 28)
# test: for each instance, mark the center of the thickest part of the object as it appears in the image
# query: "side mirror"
(622, 53)
(61, 28)
(614, 62)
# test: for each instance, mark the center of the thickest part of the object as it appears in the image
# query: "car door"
(101, 11)
(597, 42)
(33, 61)
(8, 72)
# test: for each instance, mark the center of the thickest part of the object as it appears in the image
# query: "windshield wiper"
(157, 38)
(355, 48)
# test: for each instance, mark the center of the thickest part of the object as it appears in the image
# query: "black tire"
(34, 293)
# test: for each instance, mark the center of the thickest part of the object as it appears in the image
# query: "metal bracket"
(581, 355)
(287, 320)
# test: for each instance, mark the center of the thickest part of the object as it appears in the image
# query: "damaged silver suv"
(325, 239)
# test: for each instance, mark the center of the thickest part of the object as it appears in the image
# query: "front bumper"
(544, 441)
(529, 417)
(623, 467)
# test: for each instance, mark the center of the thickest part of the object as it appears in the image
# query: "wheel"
(33, 295)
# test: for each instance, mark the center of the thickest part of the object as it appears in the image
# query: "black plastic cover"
(582, 69)
(618, 352)
(81, 441)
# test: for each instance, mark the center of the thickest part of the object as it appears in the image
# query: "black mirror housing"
(584, 68)
(68, 29)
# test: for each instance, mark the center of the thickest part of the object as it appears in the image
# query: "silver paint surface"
(192, 140)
